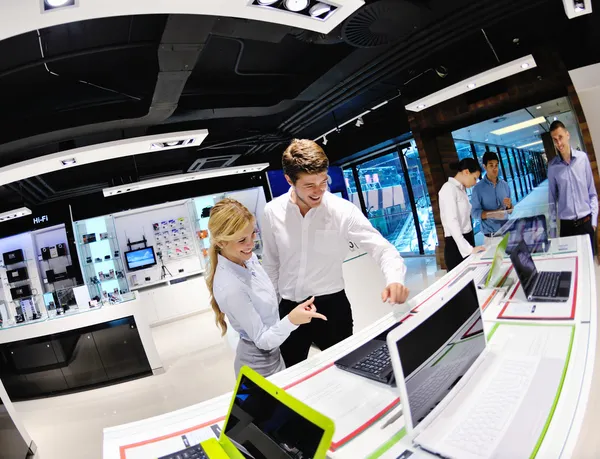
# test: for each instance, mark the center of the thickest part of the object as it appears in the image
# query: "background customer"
(571, 190)
(491, 199)
(455, 213)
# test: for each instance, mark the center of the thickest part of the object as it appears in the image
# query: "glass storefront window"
(387, 201)
(351, 187)
(480, 149)
(422, 200)
(463, 149)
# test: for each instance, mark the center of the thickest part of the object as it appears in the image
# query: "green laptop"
(265, 422)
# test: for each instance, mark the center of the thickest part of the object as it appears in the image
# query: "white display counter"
(150, 437)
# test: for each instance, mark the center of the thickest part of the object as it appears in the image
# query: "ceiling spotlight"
(471, 85)
(68, 162)
(420, 107)
(52, 4)
(171, 144)
(319, 9)
(539, 107)
(555, 118)
(325, 140)
(295, 5)
(525, 65)
(15, 213)
(359, 121)
(267, 2)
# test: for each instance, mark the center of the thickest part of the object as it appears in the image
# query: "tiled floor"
(199, 366)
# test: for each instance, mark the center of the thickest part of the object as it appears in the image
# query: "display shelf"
(10, 265)
(52, 258)
(167, 280)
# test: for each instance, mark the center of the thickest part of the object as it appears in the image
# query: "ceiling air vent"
(381, 23)
(213, 162)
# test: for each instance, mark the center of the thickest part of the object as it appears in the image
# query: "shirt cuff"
(287, 326)
(396, 277)
(465, 248)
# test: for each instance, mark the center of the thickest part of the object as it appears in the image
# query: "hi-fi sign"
(41, 219)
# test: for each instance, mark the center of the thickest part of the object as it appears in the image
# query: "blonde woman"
(241, 290)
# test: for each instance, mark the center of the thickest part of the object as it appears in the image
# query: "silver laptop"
(465, 398)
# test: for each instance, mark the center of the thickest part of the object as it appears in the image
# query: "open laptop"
(531, 230)
(265, 422)
(548, 286)
(489, 276)
(462, 397)
(371, 360)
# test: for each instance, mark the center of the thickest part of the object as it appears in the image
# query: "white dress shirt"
(303, 256)
(455, 213)
(248, 299)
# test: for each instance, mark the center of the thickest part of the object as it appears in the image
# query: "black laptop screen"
(524, 265)
(262, 427)
(436, 354)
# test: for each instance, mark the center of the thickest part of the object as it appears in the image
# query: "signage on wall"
(41, 219)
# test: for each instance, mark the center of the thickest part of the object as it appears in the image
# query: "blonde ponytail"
(227, 218)
(210, 278)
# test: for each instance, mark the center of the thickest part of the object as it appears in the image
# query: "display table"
(161, 434)
(88, 349)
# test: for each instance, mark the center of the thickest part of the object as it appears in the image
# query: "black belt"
(579, 221)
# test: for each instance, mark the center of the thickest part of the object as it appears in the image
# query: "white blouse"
(455, 213)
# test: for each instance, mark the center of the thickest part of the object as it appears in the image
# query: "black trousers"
(324, 334)
(575, 228)
(452, 255)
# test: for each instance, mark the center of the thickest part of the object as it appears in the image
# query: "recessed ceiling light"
(525, 65)
(58, 3)
(539, 107)
(68, 162)
(319, 9)
(267, 2)
(531, 144)
(295, 5)
(419, 107)
(15, 213)
(471, 85)
(536, 131)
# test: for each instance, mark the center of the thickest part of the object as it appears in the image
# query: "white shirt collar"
(456, 183)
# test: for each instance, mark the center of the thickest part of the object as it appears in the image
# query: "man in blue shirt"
(490, 199)
(571, 190)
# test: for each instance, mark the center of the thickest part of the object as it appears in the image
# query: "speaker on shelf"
(61, 250)
(70, 272)
(50, 276)
(46, 253)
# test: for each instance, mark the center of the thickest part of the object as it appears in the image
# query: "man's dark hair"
(489, 156)
(557, 124)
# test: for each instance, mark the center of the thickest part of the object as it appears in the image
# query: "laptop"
(464, 398)
(532, 231)
(371, 360)
(548, 286)
(489, 276)
(265, 422)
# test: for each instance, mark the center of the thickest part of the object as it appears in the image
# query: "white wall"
(587, 84)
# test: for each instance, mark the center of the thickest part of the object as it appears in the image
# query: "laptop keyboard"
(480, 274)
(547, 284)
(424, 393)
(375, 362)
(193, 452)
(485, 423)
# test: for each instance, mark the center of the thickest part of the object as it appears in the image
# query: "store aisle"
(199, 366)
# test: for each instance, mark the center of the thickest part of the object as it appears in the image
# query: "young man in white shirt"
(306, 234)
